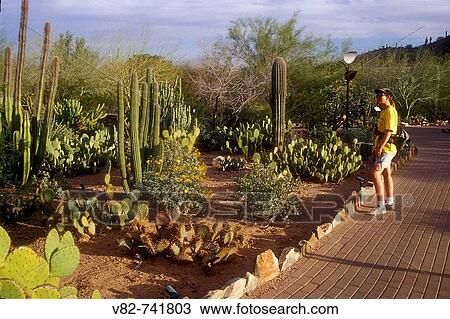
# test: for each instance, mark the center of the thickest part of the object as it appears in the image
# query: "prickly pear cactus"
(24, 274)
(64, 261)
(5, 243)
(185, 243)
(26, 268)
(11, 290)
(46, 293)
(51, 243)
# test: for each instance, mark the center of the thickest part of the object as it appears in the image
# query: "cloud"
(187, 22)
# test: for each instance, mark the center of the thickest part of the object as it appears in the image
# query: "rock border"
(268, 266)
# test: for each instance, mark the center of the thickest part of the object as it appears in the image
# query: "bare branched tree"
(224, 86)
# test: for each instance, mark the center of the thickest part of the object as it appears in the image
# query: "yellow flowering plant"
(175, 180)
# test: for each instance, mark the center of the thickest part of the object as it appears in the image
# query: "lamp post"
(349, 57)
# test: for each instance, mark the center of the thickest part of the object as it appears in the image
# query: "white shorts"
(384, 161)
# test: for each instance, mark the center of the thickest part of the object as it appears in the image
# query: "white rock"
(251, 282)
(288, 257)
(234, 289)
(215, 294)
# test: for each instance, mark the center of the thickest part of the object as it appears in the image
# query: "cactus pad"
(48, 195)
(9, 289)
(64, 261)
(96, 294)
(68, 292)
(51, 243)
(91, 228)
(45, 293)
(5, 243)
(53, 281)
(67, 240)
(26, 268)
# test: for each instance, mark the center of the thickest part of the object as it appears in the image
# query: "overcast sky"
(185, 24)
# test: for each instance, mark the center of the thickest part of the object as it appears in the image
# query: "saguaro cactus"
(278, 100)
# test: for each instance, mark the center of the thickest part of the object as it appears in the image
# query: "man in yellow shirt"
(385, 151)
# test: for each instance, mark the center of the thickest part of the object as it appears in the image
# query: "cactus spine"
(278, 100)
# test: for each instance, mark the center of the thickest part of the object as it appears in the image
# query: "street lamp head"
(350, 56)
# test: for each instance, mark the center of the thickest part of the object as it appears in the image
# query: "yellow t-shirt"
(388, 121)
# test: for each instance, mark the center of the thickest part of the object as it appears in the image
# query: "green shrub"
(268, 194)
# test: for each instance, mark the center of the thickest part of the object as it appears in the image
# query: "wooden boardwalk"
(404, 254)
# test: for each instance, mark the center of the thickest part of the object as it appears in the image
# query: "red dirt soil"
(104, 266)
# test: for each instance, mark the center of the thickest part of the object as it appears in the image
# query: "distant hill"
(440, 47)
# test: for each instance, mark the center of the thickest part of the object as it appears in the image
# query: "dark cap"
(384, 91)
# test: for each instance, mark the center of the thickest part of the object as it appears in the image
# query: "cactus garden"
(119, 186)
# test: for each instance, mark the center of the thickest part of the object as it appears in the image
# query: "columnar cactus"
(40, 88)
(121, 137)
(28, 133)
(46, 125)
(278, 100)
(7, 89)
(144, 128)
(17, 112)
(156, 122)
(134, 136)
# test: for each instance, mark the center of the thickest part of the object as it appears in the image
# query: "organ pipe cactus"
(121, 137)
(156, 122)
(17, 106)
(155, 108)
(134, 136)
(144, 117)
(278, 100)
(28, 133)
(7, 87)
